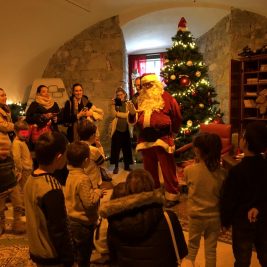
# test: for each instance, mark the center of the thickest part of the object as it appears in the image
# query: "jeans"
(83, 241)
(244, 235)
(210, 227)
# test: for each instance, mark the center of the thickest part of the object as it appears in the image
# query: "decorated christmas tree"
(186, 78)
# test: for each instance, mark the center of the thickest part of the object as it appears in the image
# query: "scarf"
(46, 102)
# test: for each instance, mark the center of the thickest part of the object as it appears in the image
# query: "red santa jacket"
(163, 125)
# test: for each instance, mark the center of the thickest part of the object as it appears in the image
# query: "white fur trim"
(158, 142)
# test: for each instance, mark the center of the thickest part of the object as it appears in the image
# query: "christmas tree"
(186, 79)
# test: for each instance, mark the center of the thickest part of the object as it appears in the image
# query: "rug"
(181, 212)
(14, 251)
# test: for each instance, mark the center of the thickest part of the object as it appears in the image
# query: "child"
(204, 180)
(87, 134)
(82, 201)
(244, 200)
(21, 153)
(46, 219)
(9, 188)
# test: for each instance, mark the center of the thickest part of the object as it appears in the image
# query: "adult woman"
(138, 234)
(42, 113)
(76, 108)
(6, 124)
(120, 134)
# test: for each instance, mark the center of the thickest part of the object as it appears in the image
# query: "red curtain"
(137, 64)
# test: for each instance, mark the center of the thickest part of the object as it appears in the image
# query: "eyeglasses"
(147, 85)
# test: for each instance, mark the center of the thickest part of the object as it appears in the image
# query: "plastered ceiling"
(32, 30)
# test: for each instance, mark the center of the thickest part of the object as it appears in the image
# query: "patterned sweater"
(82, 199)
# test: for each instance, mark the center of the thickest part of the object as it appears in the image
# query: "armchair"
(223, 130)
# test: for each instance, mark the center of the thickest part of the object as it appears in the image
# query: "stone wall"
(96, 59)
(223, 43)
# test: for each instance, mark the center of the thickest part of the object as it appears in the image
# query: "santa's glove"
(131, 108)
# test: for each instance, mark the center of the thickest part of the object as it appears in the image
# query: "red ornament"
(184, 81)
(166, 81)
(194, 93)
(187, 132)
(218, 120)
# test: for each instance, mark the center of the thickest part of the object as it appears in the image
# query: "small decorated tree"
(186, 78)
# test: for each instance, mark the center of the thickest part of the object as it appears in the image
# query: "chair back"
(223, 130)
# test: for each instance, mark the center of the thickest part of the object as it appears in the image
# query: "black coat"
(35, 112)
(245, 188)
(69, 116)
(138, 234)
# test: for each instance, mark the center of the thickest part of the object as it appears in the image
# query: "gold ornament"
(173, 77)
(189, 123)
(166, 60)
(198, 73)
(189, 63)
(201, 105)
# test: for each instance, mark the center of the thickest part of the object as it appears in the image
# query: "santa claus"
(158, 117)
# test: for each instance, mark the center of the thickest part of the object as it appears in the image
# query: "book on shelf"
(252, 80)
(263, 67)
(249, 103)
(263, 81)
(250, 94)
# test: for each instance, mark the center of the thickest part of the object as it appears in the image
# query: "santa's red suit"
(158, 123)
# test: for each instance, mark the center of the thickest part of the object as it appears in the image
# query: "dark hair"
(138, 181)
(85, 129)
(48, 146)
(210, 146)
(256, 137)
(119, 191)
(77, 152)
(21, 125)
(119, 89)
(74, 85)
(38, 90)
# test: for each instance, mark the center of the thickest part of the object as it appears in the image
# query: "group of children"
(217, 200)
(61, 223)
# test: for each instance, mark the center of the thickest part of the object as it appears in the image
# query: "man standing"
(158, 118)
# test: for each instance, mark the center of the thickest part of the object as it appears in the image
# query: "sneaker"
(128, 169)
(116, 170)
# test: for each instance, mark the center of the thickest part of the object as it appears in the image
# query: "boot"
(2, 222)
(18, 226)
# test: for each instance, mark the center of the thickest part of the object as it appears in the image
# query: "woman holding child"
(79, 107)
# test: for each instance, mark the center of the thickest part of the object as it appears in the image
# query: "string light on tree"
(191, 86)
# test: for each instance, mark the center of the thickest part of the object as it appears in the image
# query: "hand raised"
(131, 108)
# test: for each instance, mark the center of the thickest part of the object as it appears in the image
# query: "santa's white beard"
(151, 99)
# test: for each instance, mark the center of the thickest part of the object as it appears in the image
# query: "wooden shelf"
(248, 78)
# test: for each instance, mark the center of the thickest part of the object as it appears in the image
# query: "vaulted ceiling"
(32, 30)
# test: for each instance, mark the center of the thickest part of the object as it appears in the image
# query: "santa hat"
(149, 77)
(182, 24)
